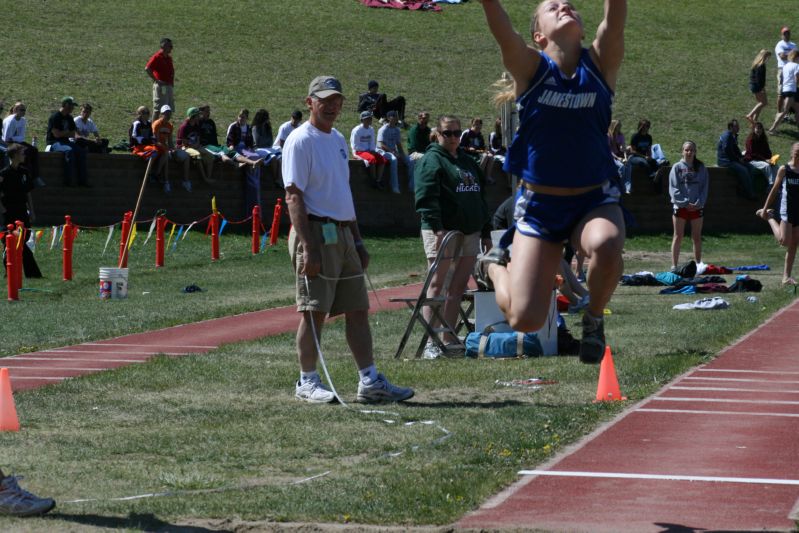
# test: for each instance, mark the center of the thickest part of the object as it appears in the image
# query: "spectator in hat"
(14, 126)
(189, 141)
(327, 252)
(161, 70)
(60, 132)
(15, 195)
(379, 104)
(86, 132)
(364, 147)
(162, 130)
(389, 143)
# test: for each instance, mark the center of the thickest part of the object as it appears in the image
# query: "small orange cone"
(8, 412)
(607, 390)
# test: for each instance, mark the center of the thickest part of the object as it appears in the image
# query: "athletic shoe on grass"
(313, 391)
(381, 390)
(496, 255)
(592, 345)
(14, 501)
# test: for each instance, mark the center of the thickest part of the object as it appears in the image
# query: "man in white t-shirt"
(286, 128)
(326, 249)
(364, 147)
(784, 46)
(86, 132)
(14, 127)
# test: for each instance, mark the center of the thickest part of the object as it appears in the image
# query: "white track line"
(700, 412)
(744, 380)
(779, 372)
(56, 351)
(722, 400)
(669, 477)
(89, 359)
(65, 369)
(732, 389)
(189, 346)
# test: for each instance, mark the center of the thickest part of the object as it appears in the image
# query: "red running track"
(717, 449)
(36, 369)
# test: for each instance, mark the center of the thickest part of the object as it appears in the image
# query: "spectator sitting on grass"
(189, 141)
(364, 147)
(389, 140)
(86, 132)
(143, 144)
(379, 104)
(728, 155)
(162, 130)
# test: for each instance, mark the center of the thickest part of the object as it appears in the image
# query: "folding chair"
(450, 249)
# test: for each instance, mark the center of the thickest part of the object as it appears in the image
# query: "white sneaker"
(431, 351)
(380, 390)
(14, 501)
(314, 392)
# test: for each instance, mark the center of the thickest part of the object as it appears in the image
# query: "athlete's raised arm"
(608, 47)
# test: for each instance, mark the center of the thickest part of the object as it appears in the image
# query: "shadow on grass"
(147, 522)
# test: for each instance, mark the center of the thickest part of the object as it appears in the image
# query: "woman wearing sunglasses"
(449, 196)
(564, 93)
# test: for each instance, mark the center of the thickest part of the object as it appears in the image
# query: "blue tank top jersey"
(563, 123)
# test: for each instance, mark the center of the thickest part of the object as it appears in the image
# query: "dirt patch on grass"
(244, 526)
(635, 255)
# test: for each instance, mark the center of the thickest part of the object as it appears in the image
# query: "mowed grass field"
(221, 442)
(221, 433)
(686, 66)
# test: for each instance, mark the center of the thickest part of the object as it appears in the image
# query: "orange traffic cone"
(607, 390)
(8, 412)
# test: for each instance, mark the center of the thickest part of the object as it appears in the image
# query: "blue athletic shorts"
(553, 218)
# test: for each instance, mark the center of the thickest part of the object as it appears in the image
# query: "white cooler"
(487, 313)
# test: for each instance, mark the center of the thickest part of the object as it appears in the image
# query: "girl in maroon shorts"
(688, 191)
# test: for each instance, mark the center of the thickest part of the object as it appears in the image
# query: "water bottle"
(35, 141)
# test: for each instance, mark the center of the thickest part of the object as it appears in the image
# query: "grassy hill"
(686, 67)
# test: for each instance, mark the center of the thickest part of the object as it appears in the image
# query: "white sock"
(313, 375)
(368, 375)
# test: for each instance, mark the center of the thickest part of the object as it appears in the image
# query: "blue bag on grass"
(503, 344)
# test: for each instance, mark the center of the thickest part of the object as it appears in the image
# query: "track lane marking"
(708, 412)
(665, 477)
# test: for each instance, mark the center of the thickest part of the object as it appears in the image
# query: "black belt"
(328, 220)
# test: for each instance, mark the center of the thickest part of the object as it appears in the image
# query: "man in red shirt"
(162, 72)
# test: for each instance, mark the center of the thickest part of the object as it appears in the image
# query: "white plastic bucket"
(113, 283)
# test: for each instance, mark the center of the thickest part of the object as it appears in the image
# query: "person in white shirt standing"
(790, 79)
(14, 126)
(784, 46)
(326, 249)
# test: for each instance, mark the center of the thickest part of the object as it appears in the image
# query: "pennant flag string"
(110, 234)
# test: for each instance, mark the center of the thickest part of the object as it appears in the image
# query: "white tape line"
(722, 400)
(741, 380)
(732, 389)
(101, 352)
(778, 372)
(57, 369)
(151, 345)
(90, 359)
(701, 412)
(665, 477)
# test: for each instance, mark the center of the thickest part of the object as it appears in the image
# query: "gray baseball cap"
(324, 86)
